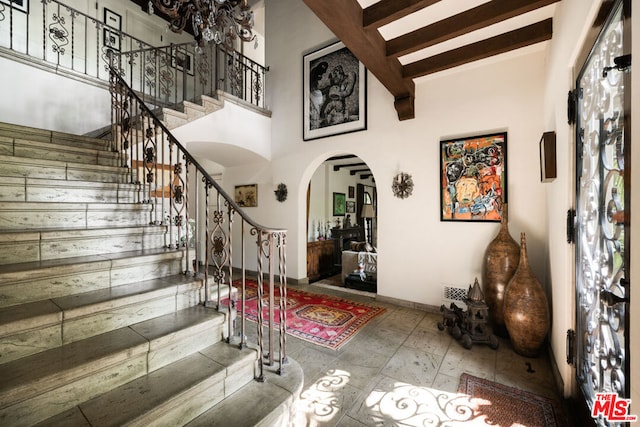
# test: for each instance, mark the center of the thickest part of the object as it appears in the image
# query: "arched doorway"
(340, 191)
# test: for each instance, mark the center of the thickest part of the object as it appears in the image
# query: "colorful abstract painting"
(473, 178)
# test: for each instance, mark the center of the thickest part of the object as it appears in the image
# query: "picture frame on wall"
(473, 178)
(350, 206)
(352, 191)
(21, 5)
(339, 205)
(334, 92)
(246, 196)
(112, 19)
(548, 167)
(111, 39)
(183, 61)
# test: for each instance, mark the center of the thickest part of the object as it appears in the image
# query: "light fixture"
(220, 21)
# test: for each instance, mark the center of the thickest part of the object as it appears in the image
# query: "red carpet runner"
(320, 319)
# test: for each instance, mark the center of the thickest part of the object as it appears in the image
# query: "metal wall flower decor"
(402, 185)
(281, 192)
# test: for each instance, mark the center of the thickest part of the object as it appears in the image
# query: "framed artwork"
(112, 19)
(246, 195)
(339, 205)
(548, 168)
(183, 61)
(166, 170)
(334, 92)
(352, 192)
(111, 39)
(473, 178)
(21, 5)
(350, 206)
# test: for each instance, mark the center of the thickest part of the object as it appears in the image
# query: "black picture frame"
(183, 61)
(334, 92)
(350, 206)
(20, 5)
(111, 39)
(473, 178)
(548, 166)
(112, 19)
(339, 204)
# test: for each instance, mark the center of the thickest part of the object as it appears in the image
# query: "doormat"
(502, 405)
(320, 319)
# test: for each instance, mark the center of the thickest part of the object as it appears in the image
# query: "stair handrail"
(268, 239)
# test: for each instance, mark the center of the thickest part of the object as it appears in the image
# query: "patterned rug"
(320, 319)
(502, 405)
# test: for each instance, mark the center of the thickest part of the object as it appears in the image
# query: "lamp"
(368, 213)
(220, 21)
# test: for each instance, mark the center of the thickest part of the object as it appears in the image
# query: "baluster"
(282, 258)
(231, 299)
(207, 289)
(260, 331)
(271, 297)
(243, 335)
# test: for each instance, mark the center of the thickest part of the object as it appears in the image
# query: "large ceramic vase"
(526, 310)
(500, 262)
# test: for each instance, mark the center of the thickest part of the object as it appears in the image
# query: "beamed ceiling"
(400, 41)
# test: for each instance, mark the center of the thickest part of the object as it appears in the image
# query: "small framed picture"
(548, 169)
(351, 206)
(112, 19)
(352, 192)
(111, 39)
(183, 61)
(339, 206)
(246, 195)
(21, 5)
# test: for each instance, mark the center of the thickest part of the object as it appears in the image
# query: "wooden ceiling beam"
(344, 19)
(386, 11)
(347, 165)
(465, 22)
(506, 42)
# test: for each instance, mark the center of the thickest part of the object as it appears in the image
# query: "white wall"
(409, 231)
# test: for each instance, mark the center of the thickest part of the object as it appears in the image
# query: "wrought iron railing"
(82, 46)
(201, 216)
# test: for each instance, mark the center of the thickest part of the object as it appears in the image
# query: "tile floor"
(400, 370)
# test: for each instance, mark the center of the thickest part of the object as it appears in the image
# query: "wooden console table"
(321, 259)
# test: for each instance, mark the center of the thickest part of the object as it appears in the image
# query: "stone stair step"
(23, 189)
(55, 137)
(53, 169)
(50, 151)
(34, 281)
(45, 384)
(42, 385)
(211, 104)
(271, 403)
(41, 215)
(103, 310)
(175, 394)
(41, 245)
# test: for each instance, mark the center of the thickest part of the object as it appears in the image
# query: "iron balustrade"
(69, 41)
(176, 185)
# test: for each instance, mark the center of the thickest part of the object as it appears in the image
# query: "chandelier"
(220, 21)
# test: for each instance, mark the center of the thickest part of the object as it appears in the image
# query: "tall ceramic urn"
(526, 309)
(500, 262)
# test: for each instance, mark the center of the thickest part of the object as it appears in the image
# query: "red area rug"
(320, 319)
(502, 405)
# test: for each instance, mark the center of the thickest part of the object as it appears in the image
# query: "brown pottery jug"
(500, 262)
(526, 310)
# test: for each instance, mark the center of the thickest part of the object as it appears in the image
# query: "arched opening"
(341, 225)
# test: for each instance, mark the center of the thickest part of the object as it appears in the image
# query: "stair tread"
(37, 373)
(78, 231)
(45, 135)
(136, 338)
(4, 159)
(130, 401)
(56, 146)
(112, 295)
(36, 265)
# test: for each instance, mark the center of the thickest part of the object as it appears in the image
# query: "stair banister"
(129, 112)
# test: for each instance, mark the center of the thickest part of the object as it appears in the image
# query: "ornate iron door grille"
(602, 259)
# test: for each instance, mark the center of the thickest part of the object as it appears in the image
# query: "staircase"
(99, 326)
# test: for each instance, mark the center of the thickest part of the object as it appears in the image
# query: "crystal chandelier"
(220, 21)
